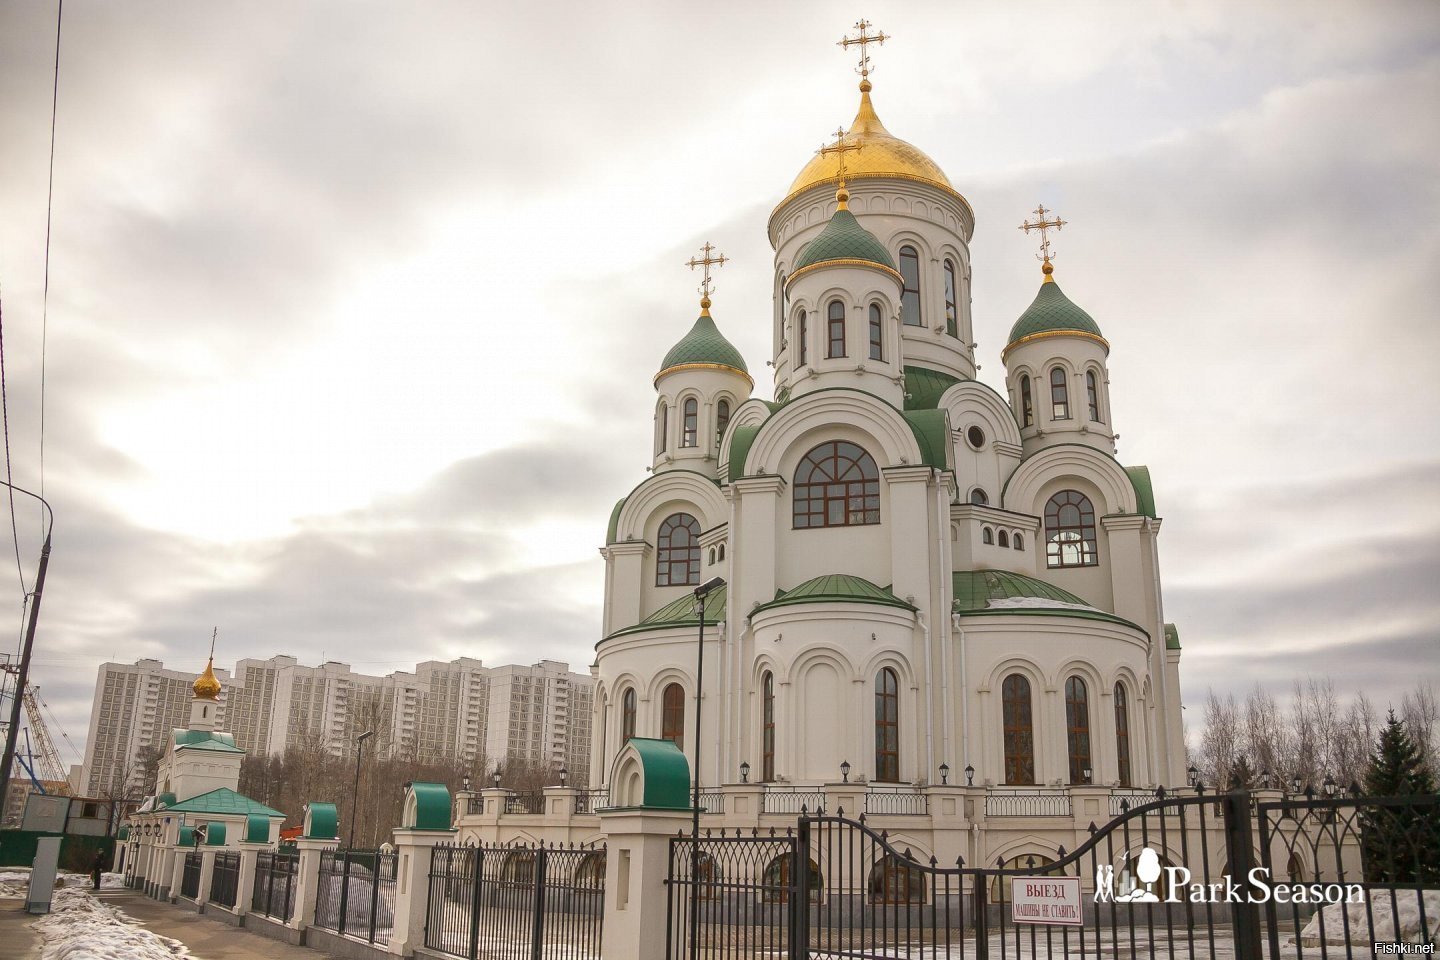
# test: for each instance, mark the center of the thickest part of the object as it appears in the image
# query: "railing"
(791, 800)
(712, 801)
(896, 801)
(531, 801)
(1123, 801)
(356, 894)
(588, 801)
(475, 806)
(225, 878)
(275, 883)
(190, 879)
(731, 896)
(1027, 803)
(515, 901)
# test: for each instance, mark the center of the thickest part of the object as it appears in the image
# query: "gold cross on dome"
(1043, 225)
(864, 38)
(705, 263)
(839, 147)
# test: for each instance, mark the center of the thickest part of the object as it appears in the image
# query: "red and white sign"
(1046, 900)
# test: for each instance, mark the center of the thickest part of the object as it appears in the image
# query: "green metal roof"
(432, 806)
(835, 588)
(223, 800)
(843, 239)
(206, 740)
(703, 344)
(923, 387)
(257, 828)
(612, 531)
(680, 612)
(215, 834)
(164, 800)
(741, 440)
(1172, 637)
(322, 820)
(1052, 311)
(186, 837)
(974, 589)
(124, 832)
(1144, 490)
(667, 774)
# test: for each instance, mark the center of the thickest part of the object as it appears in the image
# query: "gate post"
(414, 850)
(800, 894)
(537, 923)
(1240, 844)
(637, 864)
(307, 880)
(982, 922)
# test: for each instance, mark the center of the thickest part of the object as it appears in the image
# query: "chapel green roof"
(975, 589)
(1053, 312)
(835, 588)
(1144, 490)
(704, 344)
(843, 239)
(924, 387)
(223, 800)
(206, 740)
(1172, 637)
(680, 612)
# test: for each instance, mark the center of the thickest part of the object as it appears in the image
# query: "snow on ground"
(1355, 918)
(79, 927)
(16, 883)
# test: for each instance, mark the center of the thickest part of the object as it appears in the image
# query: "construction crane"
(47, 757)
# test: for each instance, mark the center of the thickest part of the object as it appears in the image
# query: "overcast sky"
(354, 307)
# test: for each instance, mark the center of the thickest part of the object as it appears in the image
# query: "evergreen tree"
(1401, 843)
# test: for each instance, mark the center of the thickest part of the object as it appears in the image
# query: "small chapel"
(923, 580)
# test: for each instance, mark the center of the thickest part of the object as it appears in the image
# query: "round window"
(976, 437)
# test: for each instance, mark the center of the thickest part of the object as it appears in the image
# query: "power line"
(49, 206)
(5, 419)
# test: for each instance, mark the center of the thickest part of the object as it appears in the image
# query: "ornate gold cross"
(863, 38)
(1043, 225)
(841, 148)
(705, 263)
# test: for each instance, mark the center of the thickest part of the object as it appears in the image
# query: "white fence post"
(307, 880)
(413, 850)
(207, 872)
(637, 861)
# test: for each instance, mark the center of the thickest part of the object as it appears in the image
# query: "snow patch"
(79, 927)
(1037, 603)
(1356, 917)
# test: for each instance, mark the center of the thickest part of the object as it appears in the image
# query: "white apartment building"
(442, 711)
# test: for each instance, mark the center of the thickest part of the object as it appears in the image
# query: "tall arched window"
(1077, 729)
(672, 714)
(1027, 402)
(952, 322)
(877, 333)
(887, 726)
(835, 329)
(836, 485)
(1092, 395)
(722, 420)
(910, 292)
(987, 535)
(803, 335)
(627, 716)
(1002, 539)
(1122, 734)
(1070, 531)
(690, 429)
(1059, 395)
(895, 880)
(767, 726)
(678, 552)
(1019, 733)
(662, 426)
(782, 300)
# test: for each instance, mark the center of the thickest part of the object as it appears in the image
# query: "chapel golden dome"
(881, 155)
(207, 686)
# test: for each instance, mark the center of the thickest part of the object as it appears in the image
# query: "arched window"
(1070, 531)
(662, 426)
(1059, 395)
(690, 430)
(678, 552)
(627, 716)
(767, 724)
(1092, 395)
(775, 882)
(894, 880)
(722, 420)
(910, 294)
(722, 552)
(1122, 734)
(986, 535)
(1019, 541)
(836, 485)
(979, 497)
(877, 333)
(712, 556)
(952, 324)
(1027, 402)
(782, 300)
(1002, 539)
(887, 726)
(672, 714)
(803, 335)
(1000, 886)
(1077, 729)
(1019, 734)
(835, 329)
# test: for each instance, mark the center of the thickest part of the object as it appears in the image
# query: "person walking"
(97, 868)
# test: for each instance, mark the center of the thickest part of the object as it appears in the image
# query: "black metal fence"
(516, 902)
(225, 878)
(896, 801)
(729, 895)
(356, 894)
(274, 893)
(793, 800)
(190, 876)
(588, 801)
(528, 801)
(1027, 803)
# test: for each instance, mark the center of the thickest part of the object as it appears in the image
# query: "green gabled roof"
(1144, 490)
(923, 387)
(835, 588)
(206, 740)
(974, 589)
(843, 239)
(703, 344)
(1172, 637)
(223, 800)
(680, 612)
(1050, 312)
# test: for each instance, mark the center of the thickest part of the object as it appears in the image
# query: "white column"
(637, 861)
(207, 871)
(245, 891)
(413, 850)
(307, 880)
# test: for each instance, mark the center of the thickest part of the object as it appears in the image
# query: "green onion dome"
(844, 242)
(1053, 314)
(704, 347)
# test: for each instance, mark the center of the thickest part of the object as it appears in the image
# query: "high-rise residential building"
(460, 710)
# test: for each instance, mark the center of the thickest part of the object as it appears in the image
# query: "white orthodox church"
(926, 580)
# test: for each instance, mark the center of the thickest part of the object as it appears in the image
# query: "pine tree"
(1400, 842)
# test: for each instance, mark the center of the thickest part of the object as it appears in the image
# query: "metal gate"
(1174, 877)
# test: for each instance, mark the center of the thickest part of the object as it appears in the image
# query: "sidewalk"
(17, 940)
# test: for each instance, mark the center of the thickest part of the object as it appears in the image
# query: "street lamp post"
(701, 592)
(355, 793)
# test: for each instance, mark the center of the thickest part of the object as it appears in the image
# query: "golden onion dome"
(207, 686)
(881, 155)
